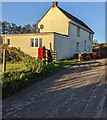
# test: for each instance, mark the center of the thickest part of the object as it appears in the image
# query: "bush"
(14, 54)
(12, 82)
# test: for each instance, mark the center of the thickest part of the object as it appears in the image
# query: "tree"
(12, 28)
(35, 28)
(27, 29)
(20, 29)
(6, 27)
(15, 29)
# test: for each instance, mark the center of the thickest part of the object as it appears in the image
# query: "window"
(85, 45)
(78, 31)
(89, 49)
(36, 42)
(8, 41)
(32, 42)
(40, 42)
(77, 46)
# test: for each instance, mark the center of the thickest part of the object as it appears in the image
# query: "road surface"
(76, 92)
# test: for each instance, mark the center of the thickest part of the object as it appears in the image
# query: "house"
(58, 31)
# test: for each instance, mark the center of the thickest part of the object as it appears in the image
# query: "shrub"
(14, 81)
(13, 54)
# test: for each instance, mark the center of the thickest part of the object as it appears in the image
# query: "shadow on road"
(71, 93)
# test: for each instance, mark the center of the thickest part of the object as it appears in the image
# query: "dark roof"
(75, 19)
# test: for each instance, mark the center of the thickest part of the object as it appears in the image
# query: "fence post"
(4, 60)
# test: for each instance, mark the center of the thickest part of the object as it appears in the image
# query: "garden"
(23, 70)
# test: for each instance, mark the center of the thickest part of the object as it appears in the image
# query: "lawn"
(56, 65)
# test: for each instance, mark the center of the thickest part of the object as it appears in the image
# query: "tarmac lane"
(76, 92)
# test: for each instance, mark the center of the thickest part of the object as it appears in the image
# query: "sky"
(92, 13)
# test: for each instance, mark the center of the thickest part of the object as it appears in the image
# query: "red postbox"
(41, 52)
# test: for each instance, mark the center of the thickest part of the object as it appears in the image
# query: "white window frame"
(34, 43)
(77, 46)
(40, 43)
(78, 31)
(37, 42)
(89, 48)
(85, 45)
(90, 36)
(8, 41)
(31, 42)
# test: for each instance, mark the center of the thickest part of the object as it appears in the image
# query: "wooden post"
(4, 60)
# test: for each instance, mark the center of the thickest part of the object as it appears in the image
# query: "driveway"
(75, 92)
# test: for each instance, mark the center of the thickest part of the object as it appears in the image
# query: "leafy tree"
(34, 28)
(12, 28)
(27, 29)
(5, 27)
(16, 29)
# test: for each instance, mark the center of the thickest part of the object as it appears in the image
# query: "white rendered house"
(59, 31)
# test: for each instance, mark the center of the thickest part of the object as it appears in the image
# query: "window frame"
(89, 48)
(8, 41)
(35, 42)
(85, 45)
(40, 43)
(90, 36)
(31, 43)
(77, 46)
(78, 31)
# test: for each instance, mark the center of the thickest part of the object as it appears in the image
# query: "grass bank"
(18, 76)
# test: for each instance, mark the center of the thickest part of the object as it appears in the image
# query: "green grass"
(17, 66)
(55, 66)
(17, 75)
(68, 63)
(58, 64)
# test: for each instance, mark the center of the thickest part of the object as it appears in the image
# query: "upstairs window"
(78, 31)
(8, 41)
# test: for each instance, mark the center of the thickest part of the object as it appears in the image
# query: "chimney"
(54, 4)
